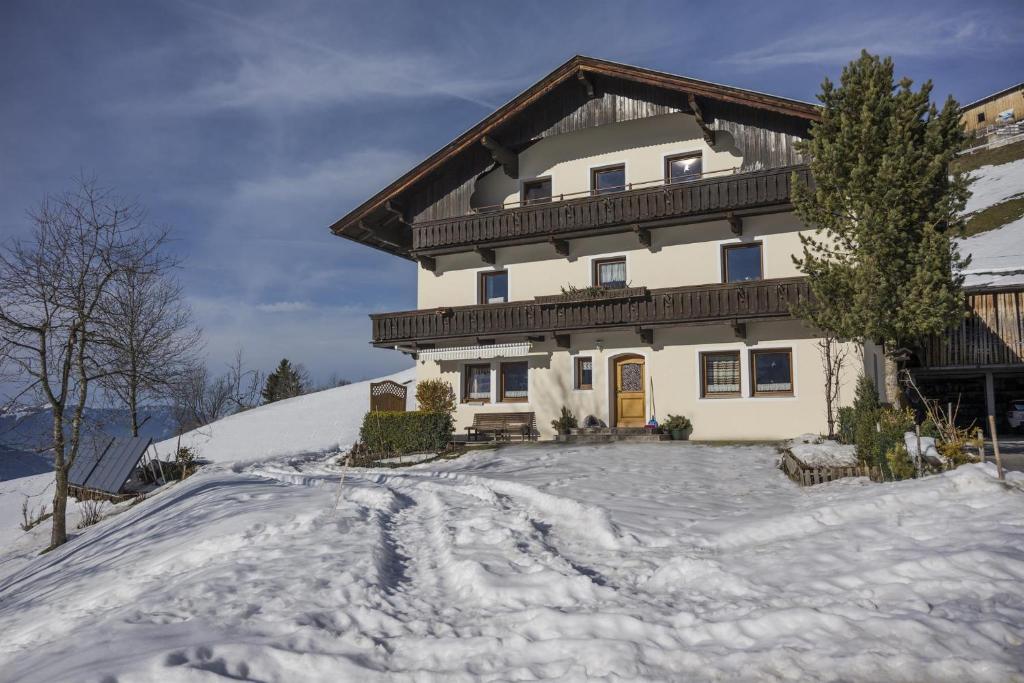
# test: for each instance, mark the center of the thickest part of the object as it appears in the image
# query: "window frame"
(501, 383)
(704, 356)
(726, 248)
(465, 383)
(536, 181)
(754, 393)
(578, 373)
(981, 117)
(594, 171)
(685, 155)
(482, 287)
(595, 269)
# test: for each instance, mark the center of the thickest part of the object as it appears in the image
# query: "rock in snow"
(653, 561)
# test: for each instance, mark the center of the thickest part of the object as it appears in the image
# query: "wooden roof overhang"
(381, 221)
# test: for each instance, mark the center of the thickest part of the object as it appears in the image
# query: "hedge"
(400, 433)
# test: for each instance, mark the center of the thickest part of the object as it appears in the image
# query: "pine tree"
(881, 263)
(284, 382)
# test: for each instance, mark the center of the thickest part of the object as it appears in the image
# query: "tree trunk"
(59, 532)
(133, 406)
(893, 393)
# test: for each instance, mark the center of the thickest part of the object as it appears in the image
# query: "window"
(683, 167)
(608, 179)
(477, 384)
(515, 382)
(610, 273)
(494, 287)
(537, 191)
(584, 373)
(981, 117)
(720, 374)
(741, 262)
(772, 372)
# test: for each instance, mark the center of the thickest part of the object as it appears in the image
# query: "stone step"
(615, 431)
(612, 438)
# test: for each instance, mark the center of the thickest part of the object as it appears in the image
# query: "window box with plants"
(573, 294)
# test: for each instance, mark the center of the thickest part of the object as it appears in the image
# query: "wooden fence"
(388, 396)
(992, 334)
(805, 475)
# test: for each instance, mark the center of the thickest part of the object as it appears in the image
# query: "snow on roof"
(997, 256)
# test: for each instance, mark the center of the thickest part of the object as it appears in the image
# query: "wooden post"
(995, 447)
(981, 445)
(920, 456)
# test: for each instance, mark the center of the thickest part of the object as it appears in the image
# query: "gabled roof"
(579, 66)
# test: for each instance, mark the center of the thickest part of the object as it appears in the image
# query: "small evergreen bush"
(401, 433)
(435, 396)
(900, 463)
(847, 425)
(676, 422)
(565, 421)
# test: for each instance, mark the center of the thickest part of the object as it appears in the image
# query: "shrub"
(185, 459)
(91, 510)
(847, 425)
(435, 396)
(900, 463)
(565, 421)
(676, 422)
(865, 417)
(401, 433)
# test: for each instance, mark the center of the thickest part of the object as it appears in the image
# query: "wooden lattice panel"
(388, 395)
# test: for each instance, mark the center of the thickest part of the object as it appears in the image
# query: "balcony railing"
(610, 212)
(725, 303)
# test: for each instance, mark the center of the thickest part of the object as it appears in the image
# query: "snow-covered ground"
(995, 184)
(997, 256)
(321, 422)
(658, 561)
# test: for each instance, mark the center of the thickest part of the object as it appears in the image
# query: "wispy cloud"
(838, 41)
(284, 307)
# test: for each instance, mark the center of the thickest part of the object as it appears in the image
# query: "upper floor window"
(741, 262)
(610, 272)
(683, 167)
(537, 191)
(494, 287)
(981, 117)
(608, 179)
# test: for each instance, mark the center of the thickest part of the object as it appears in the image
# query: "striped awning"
(476, 352)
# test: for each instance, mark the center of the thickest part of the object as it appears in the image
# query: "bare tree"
(200, 399)
(833, 358)
(53, 286)
(151, 340)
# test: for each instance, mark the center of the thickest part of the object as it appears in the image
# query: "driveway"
(1011, 449)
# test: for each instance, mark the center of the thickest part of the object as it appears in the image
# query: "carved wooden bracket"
(646, 335)
(735, 223)
(561, 246)
(508, 159)
(739, 329)
(427, 263)
(562, 341)
(487, 255)
(709, 135)
(643, 235)
(581, 76)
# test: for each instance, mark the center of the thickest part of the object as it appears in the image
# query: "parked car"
(1015, 414)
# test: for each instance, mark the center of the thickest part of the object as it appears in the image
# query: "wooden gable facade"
(582, 93)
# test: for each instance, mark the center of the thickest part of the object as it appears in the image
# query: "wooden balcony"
(707, 199)
(992, 335)
(718, 303)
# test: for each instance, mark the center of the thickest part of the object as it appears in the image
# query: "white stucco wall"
(672, 364)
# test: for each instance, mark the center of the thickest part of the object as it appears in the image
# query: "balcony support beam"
(646, 335)
(427, 263)
(488, 255)
(508, 159)
(643, 235)
(562, 341)
(735, 223)
(739, 329)
(709, 134)
(561, 246)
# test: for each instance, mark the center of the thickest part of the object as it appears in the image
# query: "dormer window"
(683, 168)
(537, 191)
(608, 179)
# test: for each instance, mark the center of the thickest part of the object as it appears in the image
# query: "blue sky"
(250, 127)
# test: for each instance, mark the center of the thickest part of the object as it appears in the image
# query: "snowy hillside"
(997, 256)
(321, 422)
(650, 561)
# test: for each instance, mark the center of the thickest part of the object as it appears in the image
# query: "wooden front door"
(630, 399)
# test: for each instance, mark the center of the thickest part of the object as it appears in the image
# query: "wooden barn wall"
(766, 139)
(993, 334)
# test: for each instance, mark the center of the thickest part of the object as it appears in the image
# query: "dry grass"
(995, 216)
(990, 157)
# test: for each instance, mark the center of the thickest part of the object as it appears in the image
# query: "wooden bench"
(503, 425)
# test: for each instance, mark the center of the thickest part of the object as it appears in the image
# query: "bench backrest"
(503, 420)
